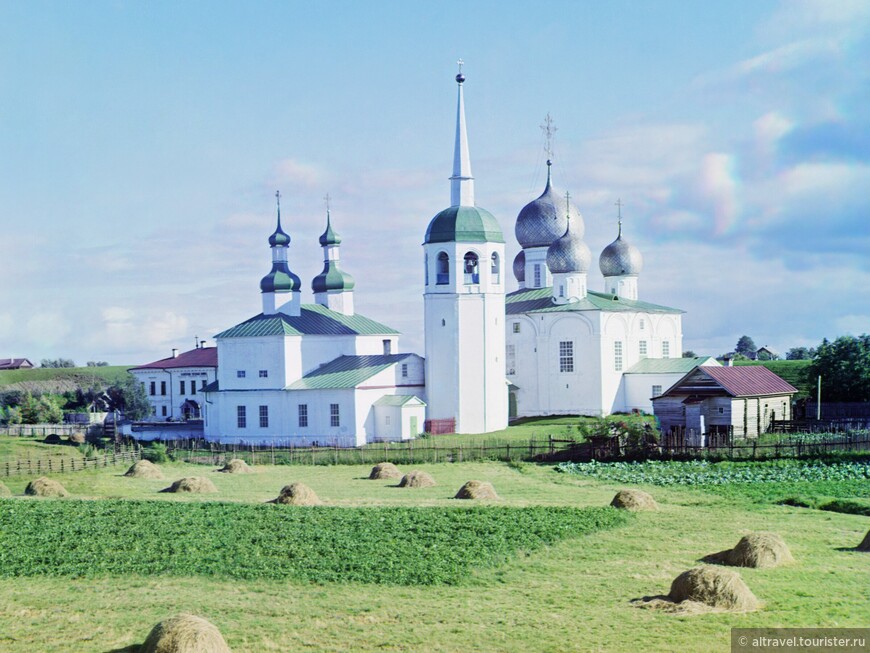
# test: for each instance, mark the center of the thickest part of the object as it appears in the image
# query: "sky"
(141, 145)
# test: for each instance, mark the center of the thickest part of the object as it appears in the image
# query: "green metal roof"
(467, 224)
(346, 372)
(668, 365)
(398, 400)
(313, 319)
(539, 300)
(280, 279)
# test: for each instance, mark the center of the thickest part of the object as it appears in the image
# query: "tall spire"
(461, 183)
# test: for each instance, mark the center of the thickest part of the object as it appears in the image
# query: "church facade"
(321, 373)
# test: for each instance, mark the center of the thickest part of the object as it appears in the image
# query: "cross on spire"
(326, 199)
(278, 199)
(460, 63)
(618, 205)
(549, 132)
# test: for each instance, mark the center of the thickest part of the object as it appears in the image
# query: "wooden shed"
(718, 400)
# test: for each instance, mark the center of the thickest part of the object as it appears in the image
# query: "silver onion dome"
(619, 258)
(569, 253)
(520, 266)
(545, 219)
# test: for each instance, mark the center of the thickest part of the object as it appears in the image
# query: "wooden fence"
(410, 452)
(64, 464)
(42, 430)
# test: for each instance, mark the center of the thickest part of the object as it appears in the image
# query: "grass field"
(571, 595)
(51, 377)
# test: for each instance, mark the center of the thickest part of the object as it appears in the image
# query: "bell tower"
(464, 303)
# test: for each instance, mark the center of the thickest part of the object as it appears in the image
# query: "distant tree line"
(34, 407)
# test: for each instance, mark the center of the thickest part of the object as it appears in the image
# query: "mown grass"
(572, 595)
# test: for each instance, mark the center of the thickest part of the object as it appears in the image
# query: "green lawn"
(571, 595)
(83, 376)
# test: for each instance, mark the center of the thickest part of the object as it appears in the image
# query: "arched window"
(472, 269)
(426, 268)
(495, 269)
(442, 274)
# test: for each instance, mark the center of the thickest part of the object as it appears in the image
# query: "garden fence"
(63, 464)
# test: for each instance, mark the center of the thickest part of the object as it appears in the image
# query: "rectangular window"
(642, 348)
(264, 417)
(666, 349)
(264, 374)
(202, 387)
(193, 387)
(163, 410)
(537, 275)
(404, 370)
(303, 415)
(153, 388)
(163, 387)
(334, 416)
(388, 347)
(617, 355)
(181, 385)
(721, 410)
(511, 359)
(516, 327)
(566, 356)
(240, 374)
(241, 417)
(657, 391)
(642, 324)
(387, 420)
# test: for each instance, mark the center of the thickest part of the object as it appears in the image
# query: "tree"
(844, 366)
(689, 354)
(799, 354)
(129, 396)
(745, 346)
(59, 362)
(97, 364)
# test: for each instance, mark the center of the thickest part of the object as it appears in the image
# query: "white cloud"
(297, 175)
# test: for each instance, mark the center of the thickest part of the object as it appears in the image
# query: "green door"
(413, 426)
(512, 405)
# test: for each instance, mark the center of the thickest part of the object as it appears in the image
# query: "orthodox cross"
(618, 206)
(549, 132)
(326, 199)
(460, 63)
(278, 199)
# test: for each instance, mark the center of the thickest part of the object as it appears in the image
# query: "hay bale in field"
(417, 478)
(384, 470)
(865, 544)
(76, 438)
(52, 438)
(4, 491)
(477, 490)
(144, 469)
(45, 487)
(297, 494)
(185, 633)
(715, 587)
(236, 466)
(757, 550)
(192, 484)
(634, 500)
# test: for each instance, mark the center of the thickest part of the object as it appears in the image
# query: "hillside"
(792, 371)
(58, 380)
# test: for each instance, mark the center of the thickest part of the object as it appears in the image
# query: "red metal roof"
(199, 357)
(748, 380)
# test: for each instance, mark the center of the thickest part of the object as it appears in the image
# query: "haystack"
(185, 633)
(384, 470)
(77, 438)
(634, 500)
(192, 484)
(417, 478)
(236, 466)
(4, 491)
(297, 494)
(865, 544)
(758, 550)
(715, 587)
(144, 469)
(476, 490)
(45, 487)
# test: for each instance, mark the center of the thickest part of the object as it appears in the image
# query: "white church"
(321, 373)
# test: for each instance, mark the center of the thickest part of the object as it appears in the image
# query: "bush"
(156, 453)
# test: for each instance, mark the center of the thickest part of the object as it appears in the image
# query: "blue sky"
(141, 145)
